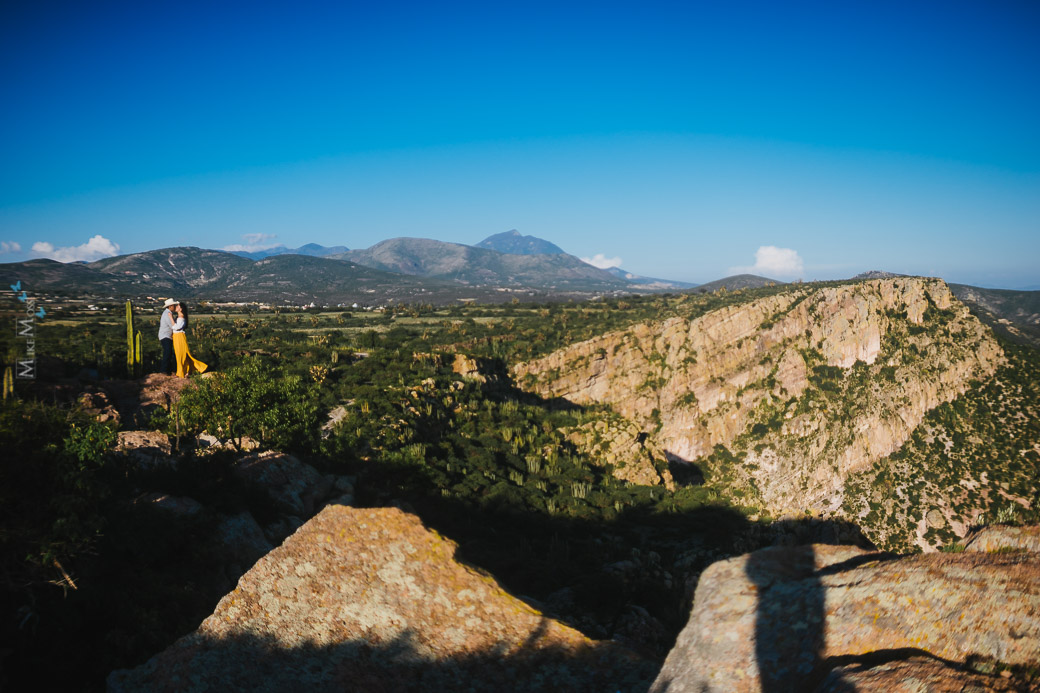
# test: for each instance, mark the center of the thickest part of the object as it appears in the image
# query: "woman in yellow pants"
(182, 355)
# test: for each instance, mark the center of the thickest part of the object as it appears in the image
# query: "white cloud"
(602, 261)
(258, 238)
(9, 247)
(253, 242)
(94, 249)
(771, 261)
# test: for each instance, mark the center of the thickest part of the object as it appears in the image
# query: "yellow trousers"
(185, 361)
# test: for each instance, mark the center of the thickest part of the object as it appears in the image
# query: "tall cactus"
(137, 351)
(133, 350)
(8, 382)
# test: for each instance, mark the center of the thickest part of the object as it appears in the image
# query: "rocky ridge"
(783, 397)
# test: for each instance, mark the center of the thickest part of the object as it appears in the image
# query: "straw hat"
(170, 302)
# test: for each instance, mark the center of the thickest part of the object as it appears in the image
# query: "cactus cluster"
(133, 344)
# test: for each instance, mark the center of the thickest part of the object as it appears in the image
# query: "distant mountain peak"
(512, 242)
(877, 274)
(737, 281)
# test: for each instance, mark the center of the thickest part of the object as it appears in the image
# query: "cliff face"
(783, 397)
(621, 445)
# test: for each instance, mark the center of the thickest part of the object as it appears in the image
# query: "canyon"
(782, 399)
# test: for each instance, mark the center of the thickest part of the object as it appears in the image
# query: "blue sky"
(685, 140)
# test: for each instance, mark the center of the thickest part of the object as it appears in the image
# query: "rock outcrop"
(1001, 539)
(146, 449)
(295, 487)
(629, 452)
(139, 400)
(917, 674)
(371, 600)
(799, 389)
(791, 618)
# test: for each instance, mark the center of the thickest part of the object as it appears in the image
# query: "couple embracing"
(174, 342)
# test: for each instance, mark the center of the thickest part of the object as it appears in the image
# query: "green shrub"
(52, 488)
(256, 401)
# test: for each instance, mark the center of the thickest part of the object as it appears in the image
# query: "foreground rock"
(793, 618)
(915, 675)
(370, 600)
(1004, 540)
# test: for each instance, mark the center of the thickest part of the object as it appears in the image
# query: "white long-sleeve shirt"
(166, 325)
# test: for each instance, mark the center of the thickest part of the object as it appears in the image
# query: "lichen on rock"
(786, 618)
(372, 600)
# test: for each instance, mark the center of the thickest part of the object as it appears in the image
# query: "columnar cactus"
(133, 349)
(137, 351)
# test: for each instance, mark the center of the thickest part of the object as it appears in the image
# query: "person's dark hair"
(184, 313)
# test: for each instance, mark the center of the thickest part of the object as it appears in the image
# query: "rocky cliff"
(782, 398)
(371, 600)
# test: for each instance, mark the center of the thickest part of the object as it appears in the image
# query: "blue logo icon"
(17, 286)
(40, 313)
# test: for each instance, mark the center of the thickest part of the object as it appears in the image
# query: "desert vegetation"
(973, 461)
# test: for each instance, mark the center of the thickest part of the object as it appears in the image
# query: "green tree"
(253, 400)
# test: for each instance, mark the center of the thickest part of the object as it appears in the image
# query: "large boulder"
(371, 600)
(1004, 539)
(172, 506)
(139, 400)
(915, 675)
(242, 542)
(296, 487)
(98, 405)
(785, 618)
(146, 449)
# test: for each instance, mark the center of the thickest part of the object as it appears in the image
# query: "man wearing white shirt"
(166, 324)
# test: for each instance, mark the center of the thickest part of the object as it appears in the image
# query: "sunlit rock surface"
(699, 383)
(1004, 539)
(371, 600)
(787, 618)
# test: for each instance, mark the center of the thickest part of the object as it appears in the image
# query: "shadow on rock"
(257, 663)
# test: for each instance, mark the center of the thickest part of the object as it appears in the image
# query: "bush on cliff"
(252, 400)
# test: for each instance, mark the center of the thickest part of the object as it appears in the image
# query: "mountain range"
(1014, 314)
(470, 265)
(399, 269)
(501, 267)
(312, 249)
(514, 243)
